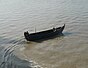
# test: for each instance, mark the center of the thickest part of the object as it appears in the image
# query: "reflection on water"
(68, 51)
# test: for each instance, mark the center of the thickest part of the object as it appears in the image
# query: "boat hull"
(43, 34)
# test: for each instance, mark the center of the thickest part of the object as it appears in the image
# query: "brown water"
(68, 51)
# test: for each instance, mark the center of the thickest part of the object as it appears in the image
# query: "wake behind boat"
(43, 34)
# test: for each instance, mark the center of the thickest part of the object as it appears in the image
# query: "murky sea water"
(68, 51)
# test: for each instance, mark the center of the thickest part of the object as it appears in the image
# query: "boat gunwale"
(46, 31)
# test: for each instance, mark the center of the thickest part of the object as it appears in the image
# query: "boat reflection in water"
(44, 34)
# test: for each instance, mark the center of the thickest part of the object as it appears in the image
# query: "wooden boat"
(43, 34)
